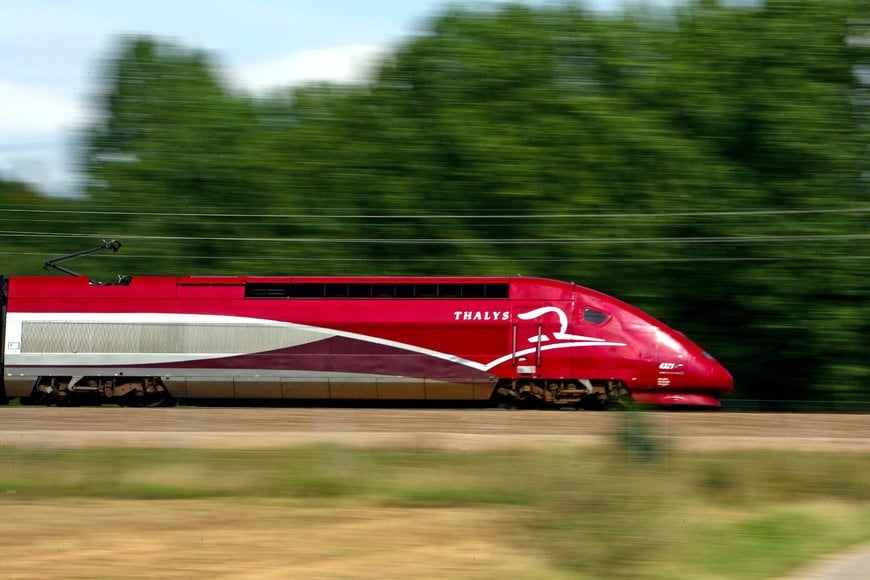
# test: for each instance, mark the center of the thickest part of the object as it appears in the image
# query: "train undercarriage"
(576, 393)
(83, 391)
(152, 392)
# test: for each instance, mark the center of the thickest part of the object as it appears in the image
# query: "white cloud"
(353, 63)
(35, 110)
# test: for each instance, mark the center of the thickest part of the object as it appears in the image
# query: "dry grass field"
(397, 493)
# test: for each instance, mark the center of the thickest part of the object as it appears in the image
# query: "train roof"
(211, 280)
(52, 285)
(172, 287)
(240, 280)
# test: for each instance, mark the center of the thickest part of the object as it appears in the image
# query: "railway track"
(450, 429)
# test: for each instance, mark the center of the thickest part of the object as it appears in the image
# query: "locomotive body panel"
(340, 337)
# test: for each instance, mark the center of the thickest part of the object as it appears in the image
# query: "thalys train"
(517, 341)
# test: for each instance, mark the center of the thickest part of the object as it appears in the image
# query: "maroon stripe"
(340, 354)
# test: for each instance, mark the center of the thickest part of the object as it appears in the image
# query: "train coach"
(525, 342)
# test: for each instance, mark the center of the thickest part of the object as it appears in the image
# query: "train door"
(591, 325)
(647, 353)
(526, 339)
(535, 330)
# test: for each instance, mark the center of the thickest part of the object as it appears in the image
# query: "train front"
(667, 369)
(684, 374)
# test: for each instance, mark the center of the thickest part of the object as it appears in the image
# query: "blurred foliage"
(596, 513)
(708, 164)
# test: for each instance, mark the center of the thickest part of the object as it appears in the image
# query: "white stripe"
(15, 320)
(526, 351)
(207, 374)
(105, 359)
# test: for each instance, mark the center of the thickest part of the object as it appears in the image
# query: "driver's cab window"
(596, 317)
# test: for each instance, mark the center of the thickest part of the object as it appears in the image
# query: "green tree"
(704, 163)
(172, 138)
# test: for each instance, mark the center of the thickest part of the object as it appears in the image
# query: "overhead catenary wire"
(462, 241)
(446, 216)
(475, 259)
(840, 254)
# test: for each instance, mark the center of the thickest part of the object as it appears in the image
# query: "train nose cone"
(708, 373)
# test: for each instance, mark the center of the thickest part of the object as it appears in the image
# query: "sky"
(51, 52)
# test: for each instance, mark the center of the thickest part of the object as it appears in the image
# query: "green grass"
(611, 512)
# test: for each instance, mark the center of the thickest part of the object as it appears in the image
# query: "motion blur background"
(706, 161)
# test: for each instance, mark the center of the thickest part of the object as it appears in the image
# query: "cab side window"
(593, 316)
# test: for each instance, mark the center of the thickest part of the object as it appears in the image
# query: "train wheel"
(590, 404)
(156, 399)
(625, 403)
(142, 392)
(159, 399)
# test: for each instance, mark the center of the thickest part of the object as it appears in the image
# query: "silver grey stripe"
(164, 338)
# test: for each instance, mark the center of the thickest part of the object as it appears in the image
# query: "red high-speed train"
(519, 341)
